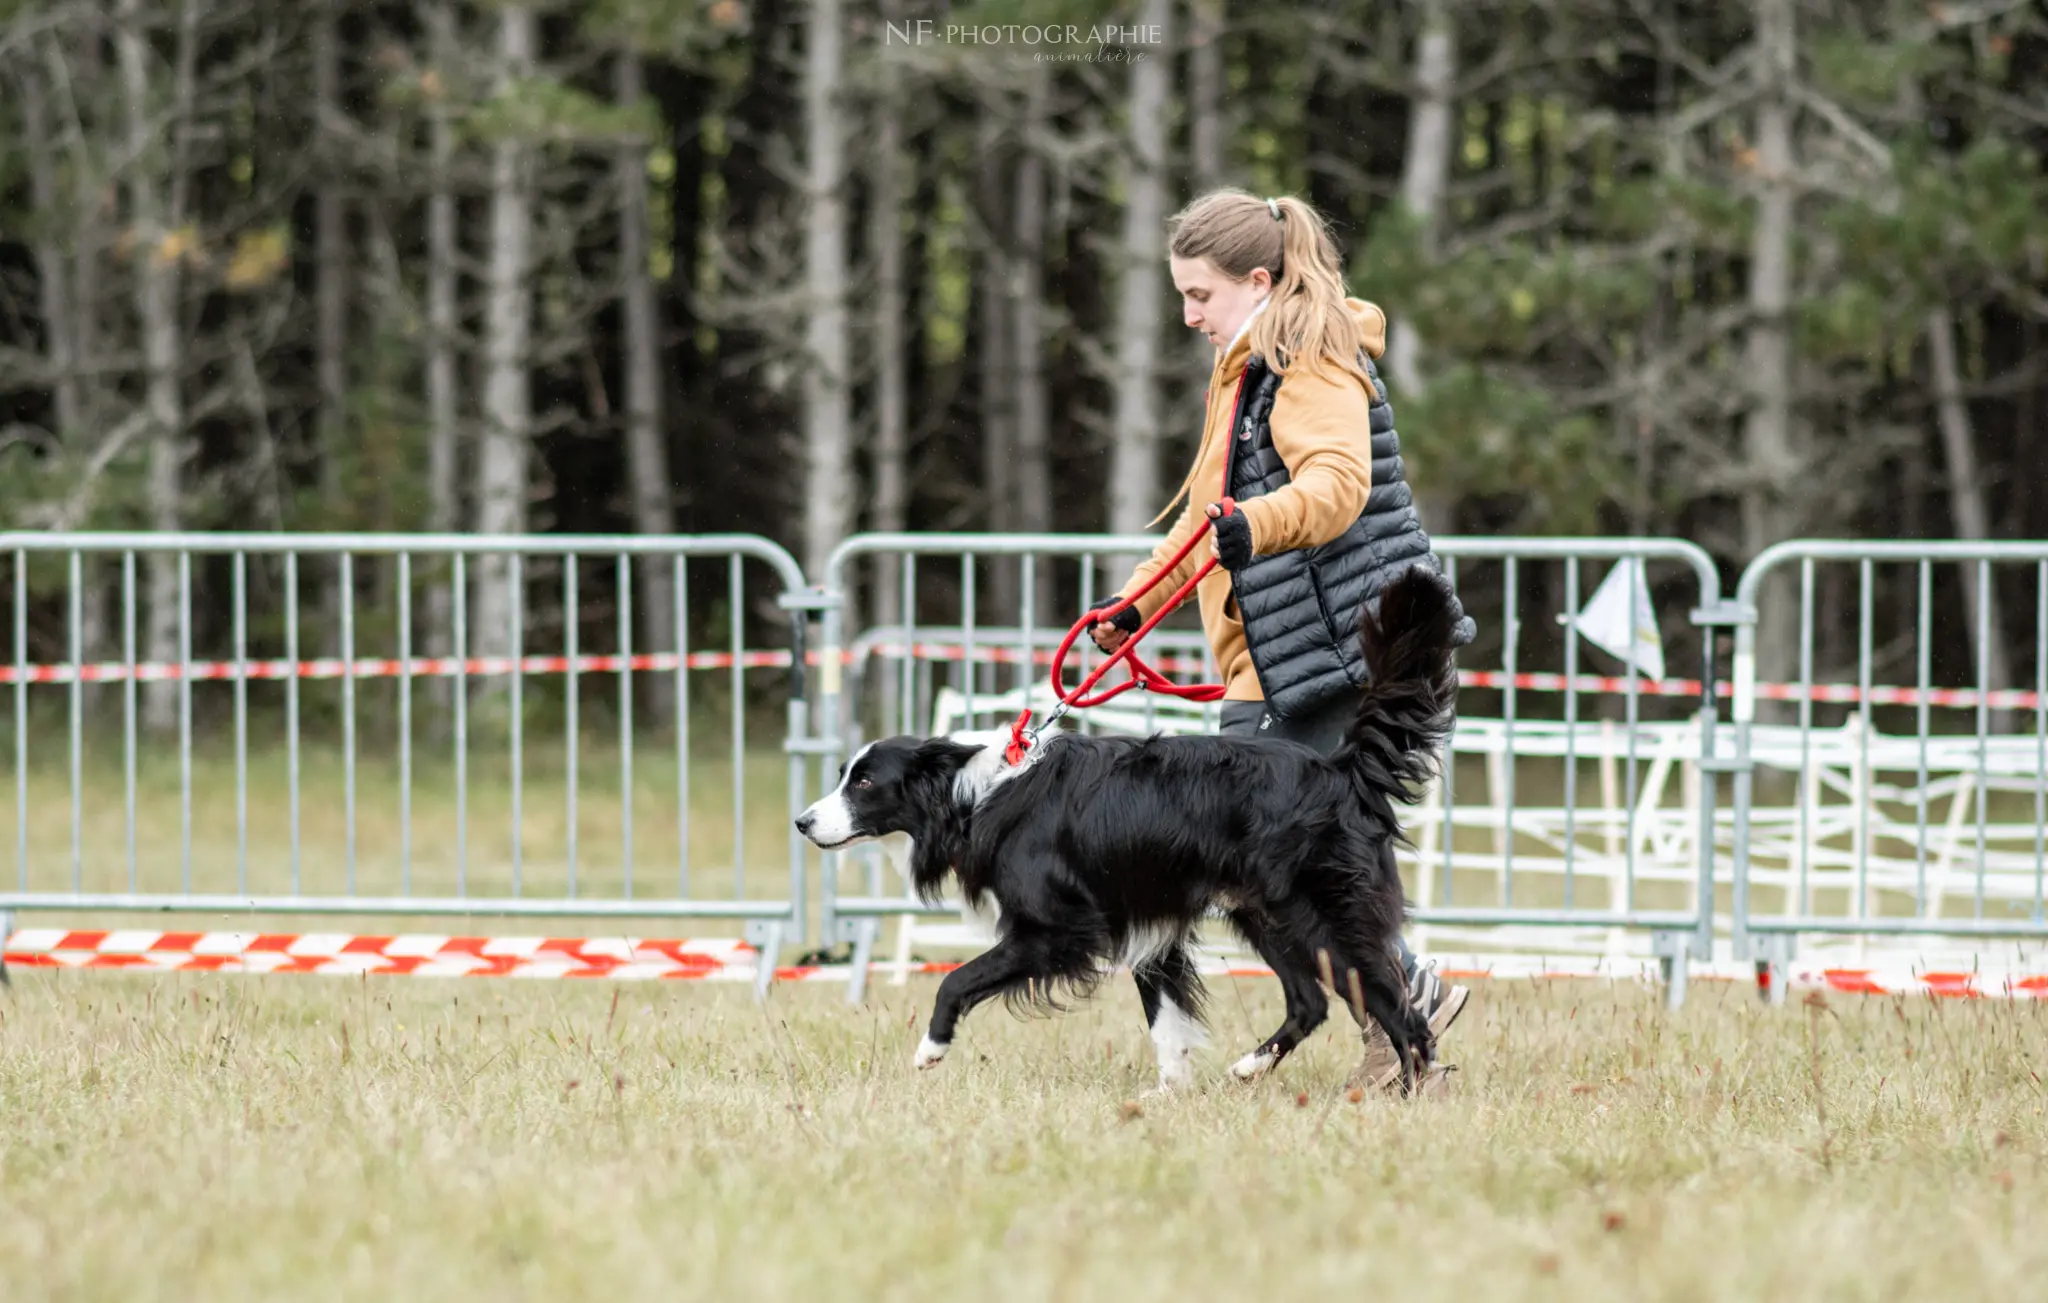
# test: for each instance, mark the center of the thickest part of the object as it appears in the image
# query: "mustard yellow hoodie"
(1322, 430)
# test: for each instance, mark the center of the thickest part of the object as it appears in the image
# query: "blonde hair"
(1305, 320)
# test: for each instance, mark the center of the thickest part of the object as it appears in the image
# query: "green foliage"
(33, 488)
(950, 271)
(545, 109)
(1084, 14)
(1950, 219)
(1480, 432)
(1866, 74)
(1589, 273)
(685, 31)
(1851, 319)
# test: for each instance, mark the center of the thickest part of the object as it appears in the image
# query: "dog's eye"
(861, 783)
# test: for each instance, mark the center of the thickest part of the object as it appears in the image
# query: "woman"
(1297, 430)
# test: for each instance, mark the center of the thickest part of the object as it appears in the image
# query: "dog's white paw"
(1254, 1065)
(929, 1052)
(1174, 1074)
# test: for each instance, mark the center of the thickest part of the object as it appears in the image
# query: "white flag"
(1607, 623)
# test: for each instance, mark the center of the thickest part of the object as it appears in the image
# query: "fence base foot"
(1673, 951)
(863, 955)
(1774, 967)
(769, 951)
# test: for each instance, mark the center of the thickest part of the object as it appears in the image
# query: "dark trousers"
(1321, 732)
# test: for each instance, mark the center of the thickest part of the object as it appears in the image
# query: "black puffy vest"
(1301, 609)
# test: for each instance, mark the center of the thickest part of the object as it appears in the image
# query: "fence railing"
(1896, 824)
(402, 726)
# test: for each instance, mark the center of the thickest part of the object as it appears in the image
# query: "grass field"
(307, 1138)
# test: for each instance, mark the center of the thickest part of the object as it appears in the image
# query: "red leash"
(1142, 675)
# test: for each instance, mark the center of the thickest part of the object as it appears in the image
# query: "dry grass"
(229, 1138)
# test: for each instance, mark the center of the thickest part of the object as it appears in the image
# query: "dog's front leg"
(1307, 1007)
(1006, 965)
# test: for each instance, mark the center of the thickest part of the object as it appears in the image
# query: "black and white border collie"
(1100, 850)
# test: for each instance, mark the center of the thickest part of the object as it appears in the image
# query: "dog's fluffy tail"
(1396, 741)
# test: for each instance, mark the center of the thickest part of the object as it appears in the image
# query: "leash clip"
(1023, 737)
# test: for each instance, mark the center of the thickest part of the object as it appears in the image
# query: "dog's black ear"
(941, 833)
(941, 758)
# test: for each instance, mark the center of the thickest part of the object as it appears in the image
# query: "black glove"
(1127, 619)
(1233, 540)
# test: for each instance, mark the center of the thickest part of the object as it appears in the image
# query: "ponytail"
(1306, 321)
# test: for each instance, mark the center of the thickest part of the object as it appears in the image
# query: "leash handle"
(1142, 675)
(1023, 737)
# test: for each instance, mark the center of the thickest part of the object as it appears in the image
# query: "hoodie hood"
(1372, 326)
(1372, 334)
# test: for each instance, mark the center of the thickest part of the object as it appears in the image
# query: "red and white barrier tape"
(1951, 986)
(443, 667)
(667, 662)
(401, 956)
(726, 959)
(341, 954)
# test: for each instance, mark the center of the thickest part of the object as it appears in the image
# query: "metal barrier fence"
(364, 777)
(1509, 861)
(1859, 849)
(402, 825)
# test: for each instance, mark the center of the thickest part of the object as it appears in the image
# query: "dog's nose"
(804, 822)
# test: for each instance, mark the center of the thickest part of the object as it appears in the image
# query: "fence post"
(1715, 614)
(1671, 951)
(828, 599)
(1743, 711)
(799, 741)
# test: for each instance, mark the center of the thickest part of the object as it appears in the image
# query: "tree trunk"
(994, 354)
(53, 280)
(1206, 167)
(508, 306)
(1134, 493)
(1966, 496)
(330, 299)
(80, 66)
(156, 305)
(444, 437)
(646, 445)
(59, 313)
(1425, 173)
(330, 255)
(1205, 99)
(687, 97)
(1767, 434)
(1027, 337)
(996, 357)
(885, 236)
(829, 489)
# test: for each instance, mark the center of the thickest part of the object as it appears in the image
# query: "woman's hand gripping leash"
(1123, 647)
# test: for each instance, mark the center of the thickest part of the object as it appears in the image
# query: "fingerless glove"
(1127, 619)
(1233, 540)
